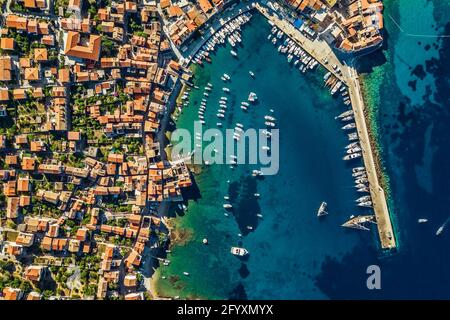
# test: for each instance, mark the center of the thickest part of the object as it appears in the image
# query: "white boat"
(227, 206)
(267, 133)
(269, 118)
(251, 74)
(349, 126)
(259, 215)
(256, 173)
(252, 97)
(244, 103)
(226, 197)
(186, 273)
(422, 220)
(238, 251)
(225, 89)
(257, 195)
(269, 124)
(233, 53)
(352, 156)
(322, 209)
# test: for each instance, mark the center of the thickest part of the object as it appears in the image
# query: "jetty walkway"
(322, 52)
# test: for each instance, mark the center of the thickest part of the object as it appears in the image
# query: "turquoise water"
(292, 253)
(289, 244)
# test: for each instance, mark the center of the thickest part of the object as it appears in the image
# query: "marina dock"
(322, 52)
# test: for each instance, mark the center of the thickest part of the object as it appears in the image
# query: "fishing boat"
(238, 251)
(322, 209)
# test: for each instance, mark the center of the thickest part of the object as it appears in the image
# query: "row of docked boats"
(336, 86)
(295, 54)
(229, 32)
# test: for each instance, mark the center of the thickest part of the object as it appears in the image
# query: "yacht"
(352, 156)
(252, 97)
(251, 74)
(422, 220)
(322, 209)
(269, 118)
(365, 204)
(239, 251)
(363, 199)
(349, 126)
(256, 173)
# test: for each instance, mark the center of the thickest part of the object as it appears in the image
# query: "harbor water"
(293, 254)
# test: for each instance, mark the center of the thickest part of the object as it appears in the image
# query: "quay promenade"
(322, 52)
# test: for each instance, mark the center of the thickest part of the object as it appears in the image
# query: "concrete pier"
(322, 52)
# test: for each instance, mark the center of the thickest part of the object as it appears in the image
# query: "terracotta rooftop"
(91, 51)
